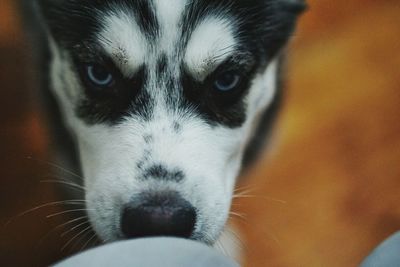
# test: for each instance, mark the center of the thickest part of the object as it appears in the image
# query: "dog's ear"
(293, 6)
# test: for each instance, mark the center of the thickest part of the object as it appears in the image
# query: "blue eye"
(99, 76)
(227, 81)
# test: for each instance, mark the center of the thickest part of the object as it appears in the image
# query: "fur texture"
(164, 124)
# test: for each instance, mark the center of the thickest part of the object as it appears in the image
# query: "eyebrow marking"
(123, 40)
(121, 55)
(210, 44)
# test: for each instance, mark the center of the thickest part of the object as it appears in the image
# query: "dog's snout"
(166, 214)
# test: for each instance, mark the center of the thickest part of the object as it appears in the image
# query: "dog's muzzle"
(158, 214)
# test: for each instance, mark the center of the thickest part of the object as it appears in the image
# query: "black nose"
(162, 214)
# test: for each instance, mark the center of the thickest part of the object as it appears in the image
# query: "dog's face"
(163, 97)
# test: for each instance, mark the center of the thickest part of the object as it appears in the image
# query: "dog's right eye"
(227, 82)
(98, 76)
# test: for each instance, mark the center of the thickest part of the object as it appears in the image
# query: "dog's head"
(163, 96)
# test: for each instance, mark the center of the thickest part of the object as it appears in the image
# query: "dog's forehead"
(200, 44)
(170, 52)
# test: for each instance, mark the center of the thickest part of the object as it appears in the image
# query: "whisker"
(79, 240)
(242, 193)
(246, 187)
(236, 242)
(65, 212)
(235, 238)
(57, 167)
(222, 248)
(87, 243)
(62, 182)
(58, 227)
(73, 228)
(261, 230)
(245, 190)
(55, 203)
(237, 196)
(238, 215)
(75, 237)
(69, 222)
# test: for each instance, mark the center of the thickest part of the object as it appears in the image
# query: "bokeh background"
(324, 194)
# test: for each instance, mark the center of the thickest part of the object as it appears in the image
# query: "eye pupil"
(99, 76)
(227, 82)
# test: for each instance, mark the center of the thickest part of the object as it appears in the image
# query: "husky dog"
(162, 103)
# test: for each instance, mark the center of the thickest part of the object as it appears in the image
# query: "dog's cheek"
(216, 211)
(65, 84)
(104, 202)
(100, 214)
(216, 196)
(263, 90)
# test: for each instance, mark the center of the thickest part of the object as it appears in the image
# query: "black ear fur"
(293, 6)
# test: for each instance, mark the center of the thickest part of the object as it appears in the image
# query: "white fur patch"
(110, 157)
(122, 38)
(210, 44)
(169, 13)
(263, 90)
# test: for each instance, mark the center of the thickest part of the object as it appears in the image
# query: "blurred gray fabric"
(385, 255)
(151, 252)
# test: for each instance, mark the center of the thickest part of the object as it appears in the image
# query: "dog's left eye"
(99, 76)
(227, 81)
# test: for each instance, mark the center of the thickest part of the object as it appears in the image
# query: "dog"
(161, 104)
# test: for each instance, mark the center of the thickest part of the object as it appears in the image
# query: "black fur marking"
(140, 165)
(294, 6)
(144, 13)
(111, 105)
(162, 65)
(162, 173)
(148, 138)
(264, 28)
(146, 154)
(75, 21)
(226, 108)
(177, 127)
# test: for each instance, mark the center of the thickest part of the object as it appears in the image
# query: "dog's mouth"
(163, 213)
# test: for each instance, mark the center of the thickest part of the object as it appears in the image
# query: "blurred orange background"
(325, 193)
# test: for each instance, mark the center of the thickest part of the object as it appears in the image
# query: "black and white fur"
(162, 126)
